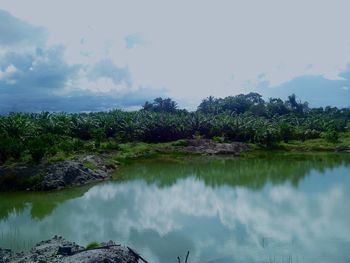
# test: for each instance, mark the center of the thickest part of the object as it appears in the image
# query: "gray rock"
(48, 176)
(67, 174)
(204, 146)
(345, 149)
(59, 250)
(117, 254)
(5, 255)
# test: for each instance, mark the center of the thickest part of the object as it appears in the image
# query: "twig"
(137, 255)
(188, 253)
(178, 259)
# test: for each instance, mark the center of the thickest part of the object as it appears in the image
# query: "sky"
(96, 55)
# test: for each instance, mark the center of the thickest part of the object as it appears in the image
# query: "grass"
(311, 146)
(92, 245)
(124, 153)
(59, 157)
(317, 144)
(127, 153)
(135, 150)
(180, 143)
(90, 165)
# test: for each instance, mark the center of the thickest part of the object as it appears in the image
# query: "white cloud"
(135, 208)
(192, 49)
(8, 71)
(7, 74)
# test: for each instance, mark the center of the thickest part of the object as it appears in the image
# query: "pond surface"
(274, 209)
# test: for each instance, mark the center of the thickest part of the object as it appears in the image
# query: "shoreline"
(89, 168)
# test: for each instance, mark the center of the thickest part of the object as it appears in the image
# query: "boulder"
(344, 149)
(59, 250)
(205, 146)
(67, 174)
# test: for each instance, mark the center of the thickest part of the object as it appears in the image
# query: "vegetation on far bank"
(288, 125)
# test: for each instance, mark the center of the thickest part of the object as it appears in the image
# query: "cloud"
(77, 101)
(32, 74)
(316, 89)
(7, 73)
(210, 222)
(193, 49)
(31, 78)
(14, 31)
(43, 69)
(133, 40)
(40, 78)
(106, 68)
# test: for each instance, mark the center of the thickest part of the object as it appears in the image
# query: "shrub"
(180, 143)
(98, 134)
(69, 145)
(10, 147)
(219, 139)
(37, 148)
(286, 131)
(331, 136)
(111, 145)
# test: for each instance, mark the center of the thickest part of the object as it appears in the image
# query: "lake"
(274, 208)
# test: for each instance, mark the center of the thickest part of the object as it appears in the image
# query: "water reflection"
(215, 221)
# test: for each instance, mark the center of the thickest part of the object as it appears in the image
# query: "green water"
(273, 209)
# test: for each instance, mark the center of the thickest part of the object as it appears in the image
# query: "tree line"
(245, 117)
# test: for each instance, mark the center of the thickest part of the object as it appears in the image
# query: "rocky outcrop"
(67, 174)
(59, 250)
(204, 146)
(52, 176)
(344, 149)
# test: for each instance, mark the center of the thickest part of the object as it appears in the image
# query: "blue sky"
(92, 55)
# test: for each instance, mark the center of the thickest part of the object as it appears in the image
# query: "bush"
(98, 134)
(37, 148)
(180, 143)
(111, 145)
(10, 147)
(219, 139)
(69, 145)
(286, 131)
(331, 136)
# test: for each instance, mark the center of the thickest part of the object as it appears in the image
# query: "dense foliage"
(245, 118)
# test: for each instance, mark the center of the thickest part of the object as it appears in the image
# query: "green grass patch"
(60, 157)
(134, 150)
(180, 143)
(92, 245)
(311, 145)
(110, 145)
(89, 165)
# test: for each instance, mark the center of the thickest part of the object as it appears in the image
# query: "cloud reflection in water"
(231, 224)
